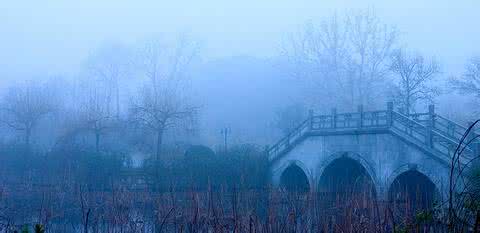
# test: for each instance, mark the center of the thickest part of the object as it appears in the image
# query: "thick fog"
(216, 116)
(238, 74)
(55, 36)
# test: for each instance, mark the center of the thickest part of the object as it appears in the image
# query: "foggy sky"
(42, 38)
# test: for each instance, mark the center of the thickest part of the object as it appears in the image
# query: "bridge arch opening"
(346, 179)
(412, 192)
(294, 179)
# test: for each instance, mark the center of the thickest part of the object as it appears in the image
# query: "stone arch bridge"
(385, 145)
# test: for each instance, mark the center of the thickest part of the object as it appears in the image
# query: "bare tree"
(25, 105)
(110, 64)
(371, 44)
(414, 75)
(469, 82)
(94, 113)
(164, 101)
(159, 112)
(317, 54)
(345, 57)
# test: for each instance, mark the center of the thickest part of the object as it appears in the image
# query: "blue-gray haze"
(239, 40)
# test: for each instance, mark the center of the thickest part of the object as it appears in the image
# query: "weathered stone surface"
(384, 156)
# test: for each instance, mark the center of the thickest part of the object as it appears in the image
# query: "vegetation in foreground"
(199, 191)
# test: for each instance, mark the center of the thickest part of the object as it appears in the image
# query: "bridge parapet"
(430, 131)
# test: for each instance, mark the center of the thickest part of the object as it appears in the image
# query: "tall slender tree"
(164, 101)
(110, 64)
(414, 76)
(94, 112)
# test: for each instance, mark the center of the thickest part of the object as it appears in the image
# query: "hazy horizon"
(41, 39)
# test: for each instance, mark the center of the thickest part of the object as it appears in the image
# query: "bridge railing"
(322, 122)
(334, 121)
(350, 120)
(410, 127)
(451, 129)
(290, 139)
(429, 129)
(434, 131)
(448, 127)
(375, 119)
(421, 118)
(442, 125)
(451, 132)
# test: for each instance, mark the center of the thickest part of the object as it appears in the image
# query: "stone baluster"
(389, 114)
(360, 117)
(310, 119)
(334, 118)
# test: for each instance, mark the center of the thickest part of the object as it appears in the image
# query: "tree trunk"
(157, 159)
(159, 144)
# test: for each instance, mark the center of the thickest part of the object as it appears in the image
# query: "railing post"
(430, 125)
(389, 114)
(360, 118)
(431, 115)
(334, 118)
(310, 118)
